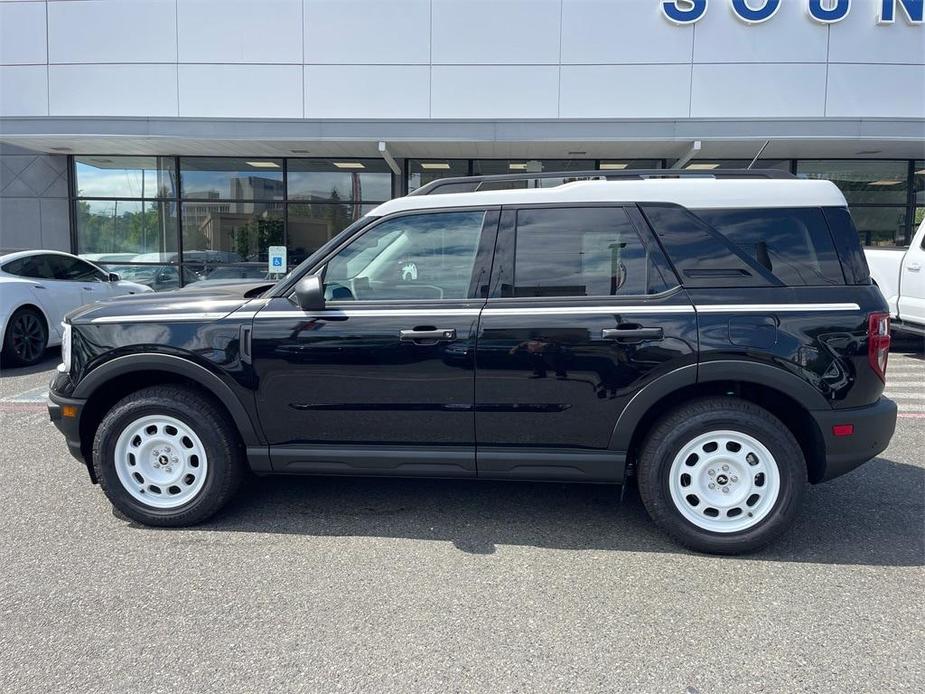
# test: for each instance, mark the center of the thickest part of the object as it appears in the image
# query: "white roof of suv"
(693, 193)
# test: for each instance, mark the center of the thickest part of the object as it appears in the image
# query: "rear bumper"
(873, 427)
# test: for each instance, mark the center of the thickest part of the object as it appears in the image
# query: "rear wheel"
(167, 455)
(26, 338)
(721, 475)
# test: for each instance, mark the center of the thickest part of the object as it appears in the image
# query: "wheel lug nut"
(711, 473)
(725, 468)
(725, 489)
(712, 486)
(174, 460)
(735, 479)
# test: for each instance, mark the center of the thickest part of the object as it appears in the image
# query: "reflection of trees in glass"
(337, 214)
(253, 238)
(127, 231)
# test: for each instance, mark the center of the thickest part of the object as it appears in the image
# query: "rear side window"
(581, 251)
(793, 244)
(848, 245)
(35, 266)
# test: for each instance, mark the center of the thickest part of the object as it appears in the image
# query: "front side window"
(74, 269)
(794, 244)
(414, 257)
(582, 251)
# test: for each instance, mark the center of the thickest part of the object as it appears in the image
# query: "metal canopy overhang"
(877, 138)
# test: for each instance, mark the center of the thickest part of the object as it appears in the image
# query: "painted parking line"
(37, 395)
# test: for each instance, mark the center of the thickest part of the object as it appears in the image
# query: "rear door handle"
(437, 335)
(914, 267)
(632, 334)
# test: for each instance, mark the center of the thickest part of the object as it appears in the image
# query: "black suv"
(717, 338)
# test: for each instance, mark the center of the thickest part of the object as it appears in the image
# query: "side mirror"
(309, 293)
(114, 277)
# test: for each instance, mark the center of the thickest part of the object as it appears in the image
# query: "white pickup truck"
(900, 274)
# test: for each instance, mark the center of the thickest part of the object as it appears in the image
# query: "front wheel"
(167, 455)
(721, 475)
(26, 338)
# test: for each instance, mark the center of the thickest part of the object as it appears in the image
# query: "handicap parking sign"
(277, 256)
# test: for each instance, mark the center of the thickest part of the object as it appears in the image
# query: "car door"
(583, 313)
(54, 301)
(381, 380)
(912, 280)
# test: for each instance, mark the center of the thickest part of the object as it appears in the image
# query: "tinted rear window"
(794, 244)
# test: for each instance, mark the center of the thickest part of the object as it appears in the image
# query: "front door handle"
(914, 267)
(436, 335)
(632, 334)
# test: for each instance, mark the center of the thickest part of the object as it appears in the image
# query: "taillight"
(878, 342)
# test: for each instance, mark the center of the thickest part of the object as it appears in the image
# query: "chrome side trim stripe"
(358, 313)
(774, 308)
(584, 310)
(161, 317)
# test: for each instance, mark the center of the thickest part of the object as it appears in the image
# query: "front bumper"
(873, 428)
(65, 415)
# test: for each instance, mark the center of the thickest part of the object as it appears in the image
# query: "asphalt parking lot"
(398, 585)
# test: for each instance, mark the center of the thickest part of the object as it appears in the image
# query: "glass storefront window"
(226, 178)
(490, 167)
(125, 177)
(423, 171)
(711, 164)
(230, 232)
(918, 181)
(628, 164)
(880, 226)
(111, 230)
(336, 180)
(310, 225)
(862, 181)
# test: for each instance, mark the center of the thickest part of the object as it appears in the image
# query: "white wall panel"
(23, 90)
(625, 91)
(113, 90)
(22, 33)
(761, 91)
(888, 91)
(112, 31)
(790, 36)
(628, 31)
(239, 31)
(367, 31)
(496, 31)
(859, 39)
(241, 91)
(355, 91)
(494, 91)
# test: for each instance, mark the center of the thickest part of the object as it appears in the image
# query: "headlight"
(65, 364)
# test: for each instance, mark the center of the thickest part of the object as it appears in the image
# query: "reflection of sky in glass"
(129, 177)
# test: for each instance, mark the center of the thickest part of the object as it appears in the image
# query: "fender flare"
(742, 371)
(183, 367)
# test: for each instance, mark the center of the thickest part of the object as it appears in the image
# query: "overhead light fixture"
(868, 151)
(701, 167)
(433, 165)
(575, 154)
(102, 161)
(612, 165)
(300, 151)
(60, 149)
(517, 167)
(263, 164)
(348, 164)
(885, 182)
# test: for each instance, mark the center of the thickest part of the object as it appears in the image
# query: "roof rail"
(469, 184)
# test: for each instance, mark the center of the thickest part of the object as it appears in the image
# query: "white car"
(900, 274)
(37, 289)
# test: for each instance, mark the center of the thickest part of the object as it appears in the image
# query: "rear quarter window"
(793, 244)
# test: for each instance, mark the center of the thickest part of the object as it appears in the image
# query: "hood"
(204, 304)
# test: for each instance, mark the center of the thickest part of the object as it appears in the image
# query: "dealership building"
(167, 137)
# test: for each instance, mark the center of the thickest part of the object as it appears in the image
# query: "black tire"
(682, 425)
(223, 449)
(26, 338)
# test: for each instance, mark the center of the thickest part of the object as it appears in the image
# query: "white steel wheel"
(724, 481)
(160, 461)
